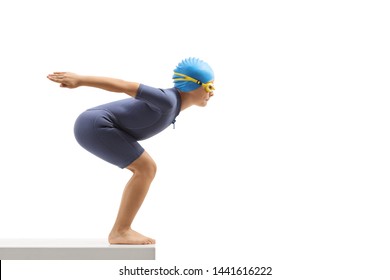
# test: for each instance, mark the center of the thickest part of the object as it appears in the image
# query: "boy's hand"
(65, 79)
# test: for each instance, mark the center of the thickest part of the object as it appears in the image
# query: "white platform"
(72, 249)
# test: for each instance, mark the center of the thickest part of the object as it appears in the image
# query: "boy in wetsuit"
(112, 131)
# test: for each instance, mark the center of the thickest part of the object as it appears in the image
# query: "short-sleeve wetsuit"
(111, 131)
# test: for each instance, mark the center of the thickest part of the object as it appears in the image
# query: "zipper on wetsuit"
(173, 124)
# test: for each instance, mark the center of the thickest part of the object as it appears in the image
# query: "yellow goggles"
(209, 87)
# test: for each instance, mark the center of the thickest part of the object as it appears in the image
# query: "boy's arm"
(72, 80)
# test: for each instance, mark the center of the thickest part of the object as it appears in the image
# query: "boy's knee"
(144, 166)
(150, 169)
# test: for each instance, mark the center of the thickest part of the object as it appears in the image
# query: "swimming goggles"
(209, 87)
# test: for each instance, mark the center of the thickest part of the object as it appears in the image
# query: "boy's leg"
(144, 170)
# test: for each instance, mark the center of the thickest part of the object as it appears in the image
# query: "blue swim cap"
(194, 68)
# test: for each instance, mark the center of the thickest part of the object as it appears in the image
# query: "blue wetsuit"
(112, 131)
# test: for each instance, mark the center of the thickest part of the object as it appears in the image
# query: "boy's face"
(204, 96)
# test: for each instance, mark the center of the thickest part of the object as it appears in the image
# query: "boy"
(112, 131)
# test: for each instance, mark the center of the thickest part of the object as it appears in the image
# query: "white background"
(288, 165)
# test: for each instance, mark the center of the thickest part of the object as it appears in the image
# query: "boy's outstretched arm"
(72, 80)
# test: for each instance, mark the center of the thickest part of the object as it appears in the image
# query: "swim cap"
(194, 68)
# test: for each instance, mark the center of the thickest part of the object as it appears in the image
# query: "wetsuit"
(112, 131)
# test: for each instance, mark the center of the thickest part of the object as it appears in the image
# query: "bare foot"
(129, 237)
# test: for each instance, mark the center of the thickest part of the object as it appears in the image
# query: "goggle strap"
(186, 78)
